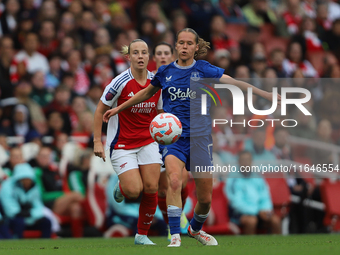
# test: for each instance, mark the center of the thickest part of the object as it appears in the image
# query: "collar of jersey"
(184, 67)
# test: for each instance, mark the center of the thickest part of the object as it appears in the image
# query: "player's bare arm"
(97, 130)
(244, 86)
(139, 97)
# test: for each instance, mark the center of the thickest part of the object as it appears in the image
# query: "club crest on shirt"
(195, 76)
(110, 94)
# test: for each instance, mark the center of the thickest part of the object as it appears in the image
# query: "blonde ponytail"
(126, 49)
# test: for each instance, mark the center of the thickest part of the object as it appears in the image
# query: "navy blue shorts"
(194, 151)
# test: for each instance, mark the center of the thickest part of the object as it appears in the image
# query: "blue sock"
(174, 216)
(197, 221)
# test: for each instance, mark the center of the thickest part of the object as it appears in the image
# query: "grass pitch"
(238, 245)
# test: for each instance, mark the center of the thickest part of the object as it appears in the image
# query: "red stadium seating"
(219, 223)
(276, 42)
(236, 31)
(330, 196)
(316, 58)
(280, 195)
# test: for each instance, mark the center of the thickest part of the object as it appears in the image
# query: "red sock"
(77, 227)
(121, 191)
(163, 207)
(147, 211)
(184, 195)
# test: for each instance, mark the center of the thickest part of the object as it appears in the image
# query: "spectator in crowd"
(222, 59)
(258, 65)
(333, 10)
(39, 92)
(87, 27)
(256, 145)
(258, 13)
(66, 26)
(101, 12)
(291, 18)
(56, 124)
(281, 148)
(296, 60)
(251, 37)
(92, 97)
(21, 123)
(78, 173)
(324, 134)
(48, 41)
(179, 21)
(61, 104)
(15, 158)
(120, 61)
(276, 59)
(28, 60)
(53, 192)
(324, 23)
(53, 77)
(6, 56)
(218, 36)
(22, 92)
(199, 13)
(9, 18)
(151, 9)
(332, 38)
(22, 204)
(48, 11)
(231, 11)
(82, 82)
(67, 44)
(250, 200)
(57, 147)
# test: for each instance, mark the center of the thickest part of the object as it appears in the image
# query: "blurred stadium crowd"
(57, 56)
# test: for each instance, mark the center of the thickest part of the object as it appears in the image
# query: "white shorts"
(125, 160)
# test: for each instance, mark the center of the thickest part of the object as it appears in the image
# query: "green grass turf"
(263, 244)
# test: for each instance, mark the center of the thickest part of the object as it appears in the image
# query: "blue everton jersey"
(181, 93)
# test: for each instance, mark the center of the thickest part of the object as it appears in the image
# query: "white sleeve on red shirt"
(114, 89)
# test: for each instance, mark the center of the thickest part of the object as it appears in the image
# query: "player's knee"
(132, 192)
(175, 182)
(150, 188)
(204, 200)
(161, 192)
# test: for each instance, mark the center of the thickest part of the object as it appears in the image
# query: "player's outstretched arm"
(97, 130)
(139, 97)
(226, 79)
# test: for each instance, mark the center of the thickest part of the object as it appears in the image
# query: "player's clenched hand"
(99, 150)
(109, 113)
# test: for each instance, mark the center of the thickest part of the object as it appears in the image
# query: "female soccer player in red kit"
(134, 154)
(195, 144)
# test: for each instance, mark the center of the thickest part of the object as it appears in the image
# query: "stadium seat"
(35, 234)
(330, 196)
(276, 42)
(236, 31)
(218, 221)
(316, 58)
(280, 195)
(267, 32)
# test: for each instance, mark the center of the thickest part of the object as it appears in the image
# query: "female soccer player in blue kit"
(174, 79)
